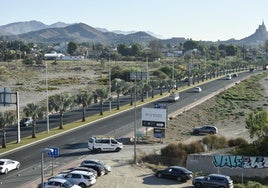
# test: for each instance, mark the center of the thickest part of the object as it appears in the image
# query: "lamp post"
(47, 100)
(135, 123)
(44, 150)
(110, 97)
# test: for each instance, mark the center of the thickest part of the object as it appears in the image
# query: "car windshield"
(2, 163)
(68, 184)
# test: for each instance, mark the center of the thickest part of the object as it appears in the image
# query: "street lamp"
(44, 150)
(135, 123)
(47, 101)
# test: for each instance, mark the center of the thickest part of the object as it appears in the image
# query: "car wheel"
(199, 185)
(82, 185)
(18, 166)
(158, 175)
(98, 150)
(117, 149)
(211, 132)
(179, 179)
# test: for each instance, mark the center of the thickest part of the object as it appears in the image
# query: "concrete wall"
(231, 165)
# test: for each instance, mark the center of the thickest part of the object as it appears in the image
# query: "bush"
(194, 147)
(215, 142)
(236, 142)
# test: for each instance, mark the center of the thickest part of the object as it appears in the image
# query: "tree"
(35, 111)
(71, 48)
(118, 86)
(102, 94)
(60, 103)
(6, 118)
(84, 99)
(257, 123)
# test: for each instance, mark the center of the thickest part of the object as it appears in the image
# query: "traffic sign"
(54, 153)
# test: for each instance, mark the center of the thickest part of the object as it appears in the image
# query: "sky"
(192, 19)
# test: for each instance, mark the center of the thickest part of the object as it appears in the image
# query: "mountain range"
(38, 32)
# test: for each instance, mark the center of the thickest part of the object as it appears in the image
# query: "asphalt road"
(73, 144)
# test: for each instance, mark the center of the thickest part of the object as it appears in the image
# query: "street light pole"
(47, 100)
(45, 150)
(110, 97)
(135, 123)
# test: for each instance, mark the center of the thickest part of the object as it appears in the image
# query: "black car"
(206, 129)
(178, 173)
(213, 180)
(26, 121)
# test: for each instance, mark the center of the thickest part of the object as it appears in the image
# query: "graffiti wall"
(232, 165)
(235, 161)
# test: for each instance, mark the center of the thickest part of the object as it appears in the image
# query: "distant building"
(53, 56)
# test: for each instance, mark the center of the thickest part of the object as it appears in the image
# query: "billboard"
(154, 117)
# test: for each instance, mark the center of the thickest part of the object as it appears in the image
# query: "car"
(178, 173)
(206, 129)
(173, 97)
(78, 177)
(235, 75)
(197, 89)
(213, 180)
(59, 182)
(106, 167)
(7, 165)
(94, 172)
(98, 168)
(228, 77)
(26, 121)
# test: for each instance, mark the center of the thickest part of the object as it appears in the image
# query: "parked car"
(213, 180)
(178, 173)
(7, 165)
(197, 89)
(106, 167)
(99, 144)
(228, 77)
(59, 182)
(94, 172)
(206, 129)
(98, 168)
(26, 121)
(78, 177)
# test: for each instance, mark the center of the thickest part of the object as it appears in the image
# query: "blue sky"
(195, 19)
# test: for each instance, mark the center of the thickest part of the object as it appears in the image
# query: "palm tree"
(60, 103)
(84, 99)
(102, 94)
(154, 84)
(35, 111)
(119, 86)
(6, 118)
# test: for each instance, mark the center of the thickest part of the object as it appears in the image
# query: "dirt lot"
(124, 174)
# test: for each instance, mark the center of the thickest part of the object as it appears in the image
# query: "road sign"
(160, 105)
(55, 153)
(159, 133)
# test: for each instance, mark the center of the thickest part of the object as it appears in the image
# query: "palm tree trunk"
(61, 120)
(84, 111)
(101, 105)
(117, 101)
(4, 139)
(34, 130)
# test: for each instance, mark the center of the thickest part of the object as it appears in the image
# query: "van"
(99, 144)
(173, 97)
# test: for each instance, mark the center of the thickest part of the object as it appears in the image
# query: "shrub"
(194, 147)
(236, 142)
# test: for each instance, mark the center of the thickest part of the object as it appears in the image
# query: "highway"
(73, 144)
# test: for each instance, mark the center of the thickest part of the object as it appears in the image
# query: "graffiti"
(237, 161)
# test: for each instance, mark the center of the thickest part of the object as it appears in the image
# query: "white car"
(7, 165)
(81, 178)
(99, 162)
(197, 89)
(60, 182)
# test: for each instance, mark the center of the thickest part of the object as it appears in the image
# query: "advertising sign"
(154, 117)
(159, 133)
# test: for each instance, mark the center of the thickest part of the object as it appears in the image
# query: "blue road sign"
(55, 153)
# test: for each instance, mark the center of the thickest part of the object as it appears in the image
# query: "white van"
(99, 144)
(173, 97)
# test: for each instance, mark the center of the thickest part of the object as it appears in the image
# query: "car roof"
(218, 175)
(80, 172)
(5, 160)
(179, 167)
(61, 180)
